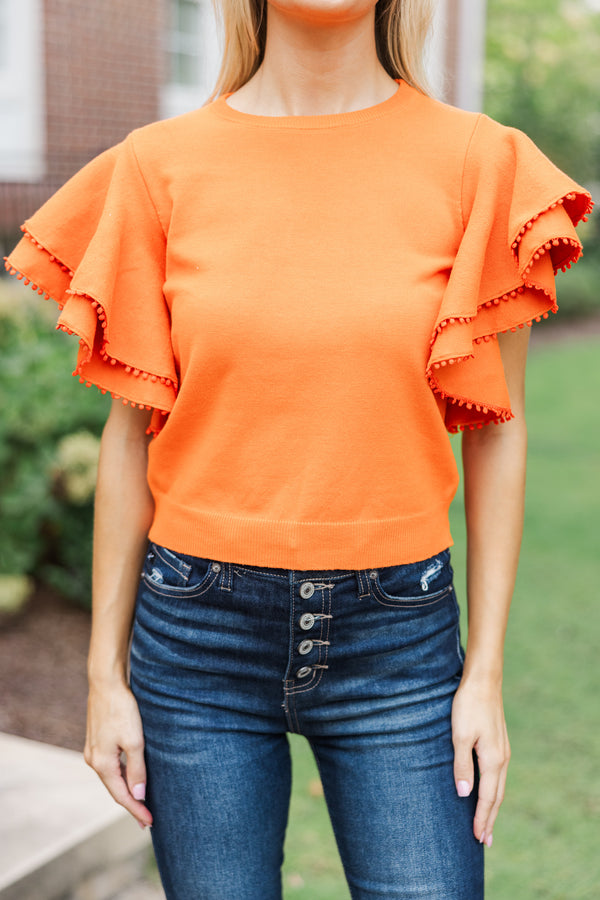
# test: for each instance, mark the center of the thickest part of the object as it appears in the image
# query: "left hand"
(478, 724)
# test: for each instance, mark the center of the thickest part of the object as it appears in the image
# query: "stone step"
(61, 833)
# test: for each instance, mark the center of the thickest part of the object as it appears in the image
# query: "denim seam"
(295, 713)
(288, 698)
(308, 574)
(459, 651)
(185, 566)
(242, 570)
(363, 583)
(226, 580)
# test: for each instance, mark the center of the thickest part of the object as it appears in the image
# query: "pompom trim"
(101, 315)
(104, 355)
(28, 282)
(465, 320)
(500, 414)
(152, 428)
(559, 202)
(84, 345)
(495, 414)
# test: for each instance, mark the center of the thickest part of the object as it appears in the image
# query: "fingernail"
(139, 791)
(463, 788)
(489, 840)
(142, 826)
(482, 838)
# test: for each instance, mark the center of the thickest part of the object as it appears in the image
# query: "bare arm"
(123, 514)
(494, 462)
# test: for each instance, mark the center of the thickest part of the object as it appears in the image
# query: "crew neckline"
(327, 120)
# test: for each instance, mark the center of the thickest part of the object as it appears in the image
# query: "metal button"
(216, 567)
(303, 672)
(307, 621)
(305, 647)
(307, 590)
(373, 574)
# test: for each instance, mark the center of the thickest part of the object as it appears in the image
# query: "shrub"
(579, 289)
(49, 432)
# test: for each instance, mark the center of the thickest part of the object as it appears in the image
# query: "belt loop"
(226, 580)
(364, 588)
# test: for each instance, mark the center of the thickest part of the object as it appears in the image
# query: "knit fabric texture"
(309, 304)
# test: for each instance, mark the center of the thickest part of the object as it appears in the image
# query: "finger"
(108, 769)
(117, 787)
(463, 767)
(489, 825)
(135, 770)
(488, 791)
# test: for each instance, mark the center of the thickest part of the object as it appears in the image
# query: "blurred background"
(75, 79)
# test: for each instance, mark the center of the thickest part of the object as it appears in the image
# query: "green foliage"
(45, 528)
(578, 290)
(542, 75)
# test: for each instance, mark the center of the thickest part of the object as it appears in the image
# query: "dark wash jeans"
(227, 658)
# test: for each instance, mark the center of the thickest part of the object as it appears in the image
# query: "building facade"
(76, 77)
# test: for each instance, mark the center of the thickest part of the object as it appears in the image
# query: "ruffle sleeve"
(97, 247)
(519, 218)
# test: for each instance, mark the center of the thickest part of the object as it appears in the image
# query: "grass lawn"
(546, 839)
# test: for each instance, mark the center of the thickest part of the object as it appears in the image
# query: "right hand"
(114, 726)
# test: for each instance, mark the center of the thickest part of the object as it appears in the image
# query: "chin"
(324, 11)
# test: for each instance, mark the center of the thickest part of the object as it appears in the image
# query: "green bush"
(542, 71)
(579, 289)
(49, 432)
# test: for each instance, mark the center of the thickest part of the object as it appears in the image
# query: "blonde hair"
(401, 31)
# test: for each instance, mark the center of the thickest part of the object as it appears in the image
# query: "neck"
(313, 67)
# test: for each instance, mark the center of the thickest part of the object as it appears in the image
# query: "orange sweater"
(309, 304)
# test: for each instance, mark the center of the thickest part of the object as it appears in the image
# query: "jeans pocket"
(172, 574)
(414, 584)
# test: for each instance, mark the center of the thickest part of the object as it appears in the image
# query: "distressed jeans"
(226, 659)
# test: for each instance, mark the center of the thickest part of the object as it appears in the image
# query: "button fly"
(307, 621)
(305, 647)
(307, 590)
(303, 672)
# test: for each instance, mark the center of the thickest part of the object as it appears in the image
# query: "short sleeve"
(97, 248)
(519, 218)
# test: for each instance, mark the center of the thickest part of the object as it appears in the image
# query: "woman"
(298, 290)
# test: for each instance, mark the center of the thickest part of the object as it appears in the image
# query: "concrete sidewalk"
(61, 834)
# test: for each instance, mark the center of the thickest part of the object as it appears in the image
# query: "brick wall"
(104, 71)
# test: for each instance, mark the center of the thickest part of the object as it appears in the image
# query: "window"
(192, 55)
(22, 121)
(185, 54)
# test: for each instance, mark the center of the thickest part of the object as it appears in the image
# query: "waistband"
(313, 577)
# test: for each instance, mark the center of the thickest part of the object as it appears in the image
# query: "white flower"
(77, 465)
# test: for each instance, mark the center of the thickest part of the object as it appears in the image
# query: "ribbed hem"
(300, 545)
(333, 120)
